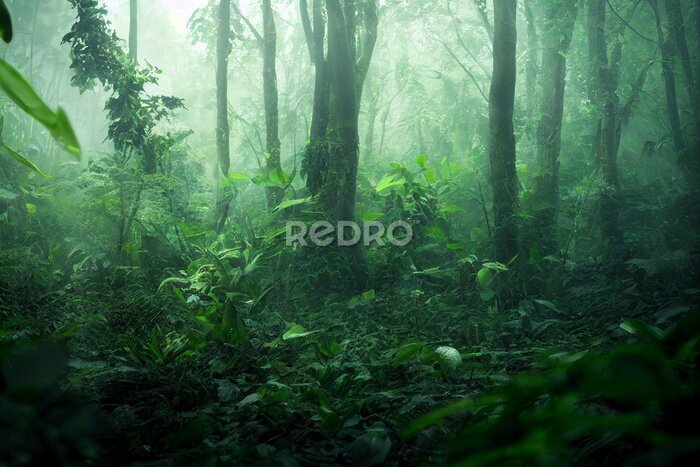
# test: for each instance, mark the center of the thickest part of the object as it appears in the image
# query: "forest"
(349, 232)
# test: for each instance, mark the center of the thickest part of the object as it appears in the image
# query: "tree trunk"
(604, 95)
(531, 66)
(223, 49)
(559, 21)
(372, 113)
(332, 155)
(133, 30)
(502, 140)
(316, 153)
(670, 86)
(691, 161)
(338, 192)
(272, 156)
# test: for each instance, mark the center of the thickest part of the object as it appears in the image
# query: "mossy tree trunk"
(316, 157)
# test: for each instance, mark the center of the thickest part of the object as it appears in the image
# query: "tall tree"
(352, 35)
(267, 42)
(348, 63)
(669, 84)
(271, 98)
(504, 181)
(223, 50)
(316, 154)
(559, 18)
(133, 30)
(676, 28)
(603, 91)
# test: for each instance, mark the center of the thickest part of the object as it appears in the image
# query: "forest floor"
(318, 381)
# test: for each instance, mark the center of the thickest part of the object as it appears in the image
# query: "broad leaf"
(22, 160)
(291, 202)
(297, 331)
(642, 329)
(389, 181)
(21, 92)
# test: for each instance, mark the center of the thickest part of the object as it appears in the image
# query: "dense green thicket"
(544, 153)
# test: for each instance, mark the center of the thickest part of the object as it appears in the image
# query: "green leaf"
(297, 331)
(452, 208)
(372, 216)
(389, 181)
(237, 176)
(291, 202)
(430, 176)
(642, 329)
(21, 92)
(483, 277)
(5, 23)
(422, 160)
(22, 160)
(406, 352)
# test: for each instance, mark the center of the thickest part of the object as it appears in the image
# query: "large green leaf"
(292, 202)
(390, 181)
(22, 160)
(642, 329)
(297, 331)
(5, 23)
(21, 92)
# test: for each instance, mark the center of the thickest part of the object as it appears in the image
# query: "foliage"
(98, 57)
(131, 333)
(21, 93)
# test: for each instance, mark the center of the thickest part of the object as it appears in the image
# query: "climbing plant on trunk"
(332, 156)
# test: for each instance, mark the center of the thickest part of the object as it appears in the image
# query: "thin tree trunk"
(223, 49)
(603, 91)
(670, 85)
(531, 66)
(691, 160)
(273, 145)
(133, 30)
(559, 21)
(504, 182)
(372, 113)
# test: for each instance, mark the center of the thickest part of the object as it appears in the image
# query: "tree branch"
(249, 24)
(466, 70)
(308, 30)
